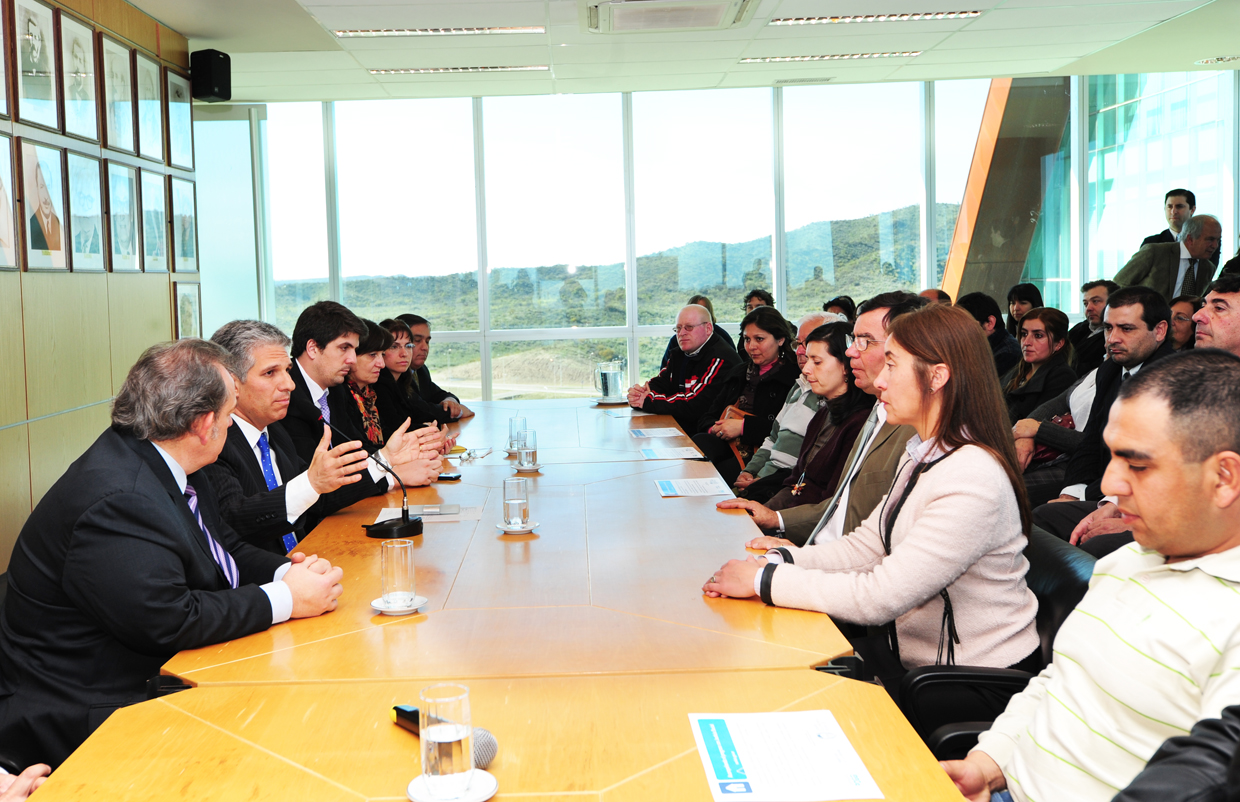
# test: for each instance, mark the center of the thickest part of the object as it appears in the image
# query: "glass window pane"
(852, 189)
(550, 368)
(225, 188)
(457, 367)
(297, 203)
(1150, 134)
(650, 352)
(408, 238)
(958, 107)
(704, 199)
(555, 210)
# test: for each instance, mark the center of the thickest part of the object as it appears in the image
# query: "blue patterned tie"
(327, 413)
(222, 557)
(269, 475)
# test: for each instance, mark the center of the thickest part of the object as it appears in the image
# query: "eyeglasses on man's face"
(862, 343)
(686, 327)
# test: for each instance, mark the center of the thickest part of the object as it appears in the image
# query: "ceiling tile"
(818, 8)
(854, 44)
(451, 57)
(637, 52)
(1042, 36)
(943, 72)
(306, 60)
(860, 29)
(574, 71)
(1150, 13)
(1070, 50)
(303, 78)
(437, 15)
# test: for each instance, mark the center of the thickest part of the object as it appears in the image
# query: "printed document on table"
(780, 757)
(671, 453)
(628, 412)
(693, 487)
(656, 433)
(466, 514)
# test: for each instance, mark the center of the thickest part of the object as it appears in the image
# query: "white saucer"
(512, 452)
(378, 604)
(517, 530)
(616, 400)
(482, 786)
(535, 468)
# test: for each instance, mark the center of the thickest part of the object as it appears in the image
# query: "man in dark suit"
(126, 561)
(1087, 338)
(432, 393)
(267, 493)
(871, 465)
(1003, 346)
(1179, 205)
(1176, 268)
(1137, 320)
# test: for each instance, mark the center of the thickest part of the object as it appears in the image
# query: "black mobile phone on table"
(450, 477)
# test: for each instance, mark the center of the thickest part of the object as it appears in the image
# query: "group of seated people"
(171, 531)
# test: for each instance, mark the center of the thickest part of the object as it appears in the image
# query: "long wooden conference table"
(585, 646)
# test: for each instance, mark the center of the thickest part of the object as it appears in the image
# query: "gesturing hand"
(333, 467)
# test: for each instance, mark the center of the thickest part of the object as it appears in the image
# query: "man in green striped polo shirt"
(1154, 646)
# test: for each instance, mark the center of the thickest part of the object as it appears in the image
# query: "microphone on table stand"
(406, 526)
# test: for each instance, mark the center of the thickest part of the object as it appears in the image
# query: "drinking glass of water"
(399, 589)
(516, 503)
(527, 448)
(447, 740)
(516, 425)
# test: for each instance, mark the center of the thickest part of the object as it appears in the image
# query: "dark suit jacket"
(1166, 236)
(302, 423)
(395, 405)
(41, 240)
(867, 488)
(259, 515)
(431, 393)
(111, 577)
(1092, 456)
(1088, 348)
(1158, 266)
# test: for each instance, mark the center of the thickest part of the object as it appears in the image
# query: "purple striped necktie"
(222, 557)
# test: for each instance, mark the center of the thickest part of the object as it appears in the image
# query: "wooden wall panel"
(57, 441)
(84, 7)
(140, 315)
(129, 22)
(15, 489)
(68, 362)
(12, 353)
(173, 47)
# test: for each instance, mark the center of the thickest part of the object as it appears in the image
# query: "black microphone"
(405, 527)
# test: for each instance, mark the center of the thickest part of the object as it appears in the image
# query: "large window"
(298, 204)
(407, 232)
(704, 199)
(555, 211)
(853, 188)
(1149, 134)
(958, 108)
(549, 368)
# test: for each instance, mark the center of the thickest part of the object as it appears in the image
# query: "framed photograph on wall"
(8, 231)
(43, 204)
(86, 213)
(77, 54)
(189, 310)
(123, 216)
(117, 95)
(150, 109)
(154, 223)
(36, 63)
(180, 122)
(184, 226)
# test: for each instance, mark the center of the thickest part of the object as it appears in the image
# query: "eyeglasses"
(398, 346)
(862, 343)
(1182, 319)
(687, 327)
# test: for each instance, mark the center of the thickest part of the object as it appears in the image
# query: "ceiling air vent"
(794, 81)
(661, 16)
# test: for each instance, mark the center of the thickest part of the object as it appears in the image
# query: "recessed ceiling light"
(381, 32)
(1218, 60)
(425, 70)
(840, 57)
(845, 19)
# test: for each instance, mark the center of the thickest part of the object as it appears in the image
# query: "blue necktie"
(269, 475)
(327, 413)
(222, 557)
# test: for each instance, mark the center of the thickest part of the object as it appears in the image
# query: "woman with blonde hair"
(940, 562)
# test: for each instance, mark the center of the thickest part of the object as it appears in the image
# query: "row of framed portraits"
(67, 74)
(82, 213)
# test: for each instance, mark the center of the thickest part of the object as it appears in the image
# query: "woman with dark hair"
(752, 394)
(842, 305)
(830, 434)
(940, 562)
(395, 394)
(1044, 370)
(1183, 331)
(364, 410)
(1021, 298)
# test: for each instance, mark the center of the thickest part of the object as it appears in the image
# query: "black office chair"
(1058, 576)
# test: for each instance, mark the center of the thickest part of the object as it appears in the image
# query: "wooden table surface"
(585, 645)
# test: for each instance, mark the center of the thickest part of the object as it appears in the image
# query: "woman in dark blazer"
(395, 395)
(1043, 371)
(758, 387)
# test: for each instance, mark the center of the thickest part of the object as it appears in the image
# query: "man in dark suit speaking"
(126, 562)
(1176, 268)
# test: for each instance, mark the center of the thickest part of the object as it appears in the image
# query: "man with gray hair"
(1176, 268)
(126, 561)
(267, 493)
